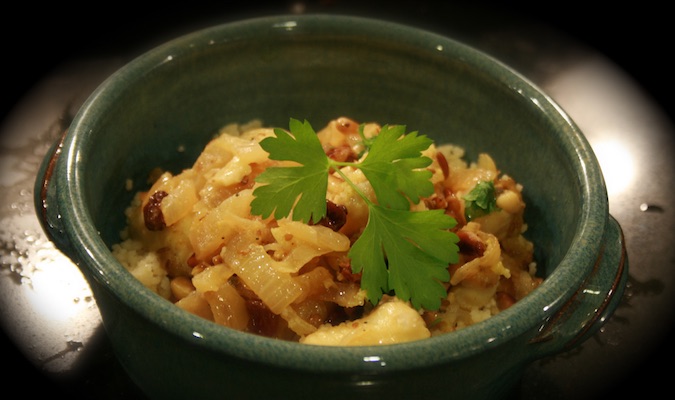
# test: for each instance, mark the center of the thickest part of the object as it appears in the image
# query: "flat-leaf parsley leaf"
(401, 251)
(394, 167)
(307, 184)
(481, 200)
(418, 247)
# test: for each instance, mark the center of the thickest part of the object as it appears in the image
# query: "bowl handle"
(46, 202)
(595, 301)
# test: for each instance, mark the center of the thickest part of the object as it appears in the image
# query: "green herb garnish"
(480, 201)
(401, 251)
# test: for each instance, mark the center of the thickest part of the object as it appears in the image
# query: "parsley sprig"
(401, 251)
(480, 201)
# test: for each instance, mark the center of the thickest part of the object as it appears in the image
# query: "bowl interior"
(318, 68)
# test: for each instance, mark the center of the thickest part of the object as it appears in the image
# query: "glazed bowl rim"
(557, 287)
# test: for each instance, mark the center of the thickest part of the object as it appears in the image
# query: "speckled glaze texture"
(317, 68)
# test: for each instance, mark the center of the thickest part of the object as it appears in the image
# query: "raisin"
(336, 216)
(152, 212)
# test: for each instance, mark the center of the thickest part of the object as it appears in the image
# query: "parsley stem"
(334, 166)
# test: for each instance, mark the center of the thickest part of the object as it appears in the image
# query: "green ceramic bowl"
(318, 68)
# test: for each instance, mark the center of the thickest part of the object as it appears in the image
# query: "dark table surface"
(605, 66)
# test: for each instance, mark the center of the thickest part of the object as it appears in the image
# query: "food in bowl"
(357, 234)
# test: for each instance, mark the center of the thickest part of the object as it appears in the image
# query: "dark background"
(637, 36)
(38, 38)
